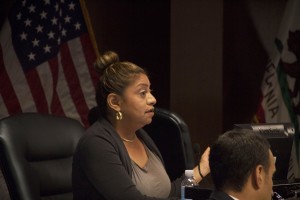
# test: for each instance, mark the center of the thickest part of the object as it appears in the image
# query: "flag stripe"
(90, 57)
(10, 99)
(64, 95)
(56, 106)
(43, 72)
(15, 74)
(74, 83)
(37, 91)
(80, 66)
(4, 111)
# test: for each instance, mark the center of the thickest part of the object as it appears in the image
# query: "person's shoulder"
(99, 131)
(100, 127)
(100, 135)
(219, 195)
(95, 127)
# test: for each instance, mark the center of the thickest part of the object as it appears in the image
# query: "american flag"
(46, 60)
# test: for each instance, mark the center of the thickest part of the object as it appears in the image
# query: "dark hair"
(115, 77)
(235, 155)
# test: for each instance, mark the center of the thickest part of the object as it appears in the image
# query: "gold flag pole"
(90, 30)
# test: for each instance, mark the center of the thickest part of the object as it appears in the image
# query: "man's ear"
(113, 101)
(258, 177)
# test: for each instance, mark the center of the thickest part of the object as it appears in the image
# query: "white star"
(23, 3)
(67, 19)
(19, 15)
(31, 8)
(51, 35)
(64, 32)
(31, 56)
(43, 15)
(23, 36)
(58, 41)
(77, 26)
(71, 6)
(39, 29)
(62, 1)
(27, 22)
(35, 42)
(56, 7)
(54, 20)
(47, 49)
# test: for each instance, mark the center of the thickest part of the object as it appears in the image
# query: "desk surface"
(197, 193)
(287, 191)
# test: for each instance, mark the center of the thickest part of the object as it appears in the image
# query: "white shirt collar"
(233, 197)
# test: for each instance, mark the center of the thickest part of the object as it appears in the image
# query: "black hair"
(115, 77)
(235, 155)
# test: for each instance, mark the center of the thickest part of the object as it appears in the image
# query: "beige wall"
(196, 66)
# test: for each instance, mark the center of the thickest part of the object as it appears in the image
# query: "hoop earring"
(119, 115)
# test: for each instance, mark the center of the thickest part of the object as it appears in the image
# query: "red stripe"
(56, 107)
(260, 113)
(90, 57)
(7, 91)
(74, 84)
(37, 91)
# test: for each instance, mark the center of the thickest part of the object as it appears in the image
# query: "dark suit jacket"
(219, 195)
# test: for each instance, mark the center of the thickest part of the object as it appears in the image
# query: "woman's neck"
(125, 131)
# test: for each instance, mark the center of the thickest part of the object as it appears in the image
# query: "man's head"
(242, 160)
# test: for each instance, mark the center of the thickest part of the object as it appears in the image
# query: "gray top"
(152, 179)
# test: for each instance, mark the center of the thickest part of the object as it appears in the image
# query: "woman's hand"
(203, 165)
(204, 162)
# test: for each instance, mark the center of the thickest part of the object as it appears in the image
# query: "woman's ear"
(113, 101)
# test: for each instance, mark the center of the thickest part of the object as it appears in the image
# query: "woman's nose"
(151, 99)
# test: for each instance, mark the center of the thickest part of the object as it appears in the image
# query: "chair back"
(171, 135)
(36, 152)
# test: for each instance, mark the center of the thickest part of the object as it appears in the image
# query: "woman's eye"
(143, 93)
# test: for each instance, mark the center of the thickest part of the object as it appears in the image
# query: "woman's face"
(137, 104)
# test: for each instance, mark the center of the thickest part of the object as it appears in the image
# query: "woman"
(116, 159)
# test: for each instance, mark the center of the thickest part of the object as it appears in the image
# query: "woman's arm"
(203, 166)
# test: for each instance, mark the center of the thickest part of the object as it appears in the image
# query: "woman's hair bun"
(108, 58)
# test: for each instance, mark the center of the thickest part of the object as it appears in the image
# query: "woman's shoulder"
(100, 127)
(100, 131)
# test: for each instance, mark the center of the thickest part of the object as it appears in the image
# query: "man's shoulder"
(219, 195)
